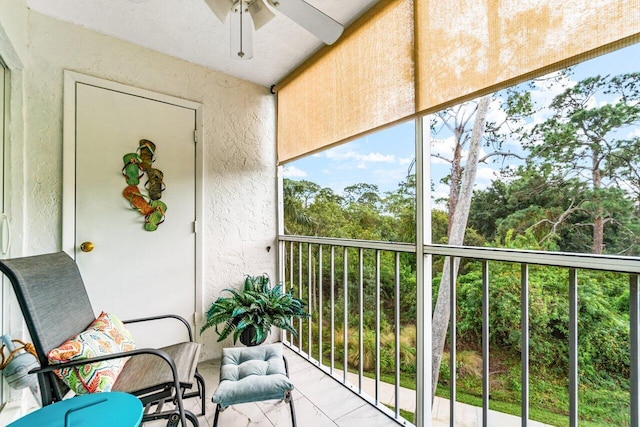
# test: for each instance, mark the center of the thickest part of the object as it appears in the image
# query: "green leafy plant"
(256, 307)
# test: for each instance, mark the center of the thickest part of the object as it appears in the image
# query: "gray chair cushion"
(147, 371)
(252, 374)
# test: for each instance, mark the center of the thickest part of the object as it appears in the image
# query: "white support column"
(423, 273)
(280, 267)
(280, 222)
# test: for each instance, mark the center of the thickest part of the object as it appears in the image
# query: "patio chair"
(56, 307)
(253, 374)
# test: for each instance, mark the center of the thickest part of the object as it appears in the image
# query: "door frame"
(71, 80)
(5, 89)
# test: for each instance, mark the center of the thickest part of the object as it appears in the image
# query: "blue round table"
(112, 409)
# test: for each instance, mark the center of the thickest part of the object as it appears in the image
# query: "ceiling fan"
(249, 14)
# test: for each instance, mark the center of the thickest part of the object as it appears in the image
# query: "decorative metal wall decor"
(136, 165)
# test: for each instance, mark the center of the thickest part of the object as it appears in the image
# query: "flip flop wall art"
(136, 166)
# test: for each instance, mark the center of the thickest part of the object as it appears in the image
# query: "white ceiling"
(187, 29)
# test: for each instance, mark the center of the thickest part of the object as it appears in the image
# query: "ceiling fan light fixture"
(247, 15)
(220, 8)
(241, 31)
(260, 13)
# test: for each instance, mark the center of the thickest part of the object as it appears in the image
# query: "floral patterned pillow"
(106, 335)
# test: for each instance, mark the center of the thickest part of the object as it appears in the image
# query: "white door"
(131, 271)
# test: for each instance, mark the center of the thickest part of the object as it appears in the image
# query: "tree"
(457, 220)
(554, 210)
(362, 193)
(401, 206)
(296, 195)
(590, 139)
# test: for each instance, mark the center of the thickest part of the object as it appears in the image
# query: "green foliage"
(579, 185)
(407, 349)
(361, 212)
(602, 321)
(557, 212)
(256, 305)
(588, 141)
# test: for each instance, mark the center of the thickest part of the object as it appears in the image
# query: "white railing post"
(424, 390)
(634, 319)
(485, 344)
(524, 327)
(320, 305)
(573, 347)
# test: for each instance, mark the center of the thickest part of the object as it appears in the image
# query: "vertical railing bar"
(634, 319)
(287, 252)
(345, 278)
(291, 270)
(360, 316)
(377, 392)
(524, 327)
(300, 294)
(485, 343)
(452, 338)
(573, 348)
(397, 338)
(309, 299)
(333, 304)
(320, 304)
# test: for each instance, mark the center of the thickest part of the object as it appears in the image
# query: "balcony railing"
(342, 279)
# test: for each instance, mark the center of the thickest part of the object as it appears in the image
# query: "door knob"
(87, 247)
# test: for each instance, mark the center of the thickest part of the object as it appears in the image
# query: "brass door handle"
(87, 247)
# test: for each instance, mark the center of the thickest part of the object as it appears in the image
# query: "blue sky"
(383, 158)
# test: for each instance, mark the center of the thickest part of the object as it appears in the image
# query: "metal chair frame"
(30, 282)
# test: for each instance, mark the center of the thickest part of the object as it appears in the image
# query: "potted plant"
(250, 312)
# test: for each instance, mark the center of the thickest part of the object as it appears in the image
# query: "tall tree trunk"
(598, 220)
(598, 233)
(456, 177)
(458, 225)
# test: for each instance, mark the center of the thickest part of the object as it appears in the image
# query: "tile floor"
(320, 401)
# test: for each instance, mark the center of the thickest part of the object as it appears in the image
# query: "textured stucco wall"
(239, 146)
(13, 45)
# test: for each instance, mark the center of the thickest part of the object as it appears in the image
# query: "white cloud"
(405, 160)
(635, 133)
(378, 157)
(443, 148)
(484, 177)
(390, 177)
(293, 172)
(438, 161)
(496, 114)
(439, 195)
(337, 154)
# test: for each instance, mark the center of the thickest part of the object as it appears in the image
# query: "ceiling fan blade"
(260, 13)
(316, 22)
(220, 8)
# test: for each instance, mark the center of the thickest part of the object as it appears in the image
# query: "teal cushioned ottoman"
(252, 374)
